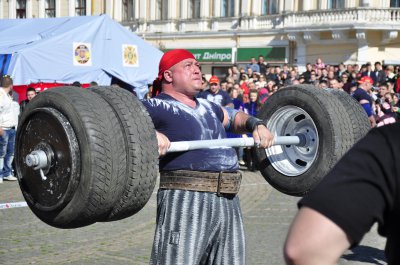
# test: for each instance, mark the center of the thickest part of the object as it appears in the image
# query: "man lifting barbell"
(198, 215)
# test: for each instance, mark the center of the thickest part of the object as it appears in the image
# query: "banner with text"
(212, 55)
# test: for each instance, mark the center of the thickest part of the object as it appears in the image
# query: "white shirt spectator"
(9, 110)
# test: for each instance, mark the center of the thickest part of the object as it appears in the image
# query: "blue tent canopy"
(68, 49)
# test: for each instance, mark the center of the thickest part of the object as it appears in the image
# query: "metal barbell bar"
(299, 140)
(38, 158)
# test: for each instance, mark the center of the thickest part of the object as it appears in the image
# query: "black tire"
(359, 119)
(142, 156)
(295, 170)
(90, 191)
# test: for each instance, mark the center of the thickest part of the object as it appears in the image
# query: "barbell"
(90, 155)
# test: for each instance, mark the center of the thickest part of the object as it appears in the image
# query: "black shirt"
(363, 188)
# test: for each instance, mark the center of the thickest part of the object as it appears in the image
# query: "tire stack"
(102, 149)
(339, 123)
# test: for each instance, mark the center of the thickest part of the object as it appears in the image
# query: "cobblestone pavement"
(24, 239)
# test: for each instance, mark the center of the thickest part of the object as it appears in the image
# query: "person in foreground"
(363, 188)
(198, 213)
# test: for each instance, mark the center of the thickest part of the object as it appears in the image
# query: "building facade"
(222, 32)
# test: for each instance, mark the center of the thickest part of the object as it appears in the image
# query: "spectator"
(253, 65)
(30, 94)
(385, 114)
(76, 83)
(390, 76)
(334, 83)
(215, 94)
(379, 74)
(361, 94)
(323, 84)
(237, 105)
(251, 108)
(272, 74)
(341, 69)
(346, 82)
(362, 189)
(9, 112)
(368, 72)
(319, 64)
(313, 78)
(262, 65)
(307, 73)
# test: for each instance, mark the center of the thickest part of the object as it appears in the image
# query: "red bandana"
(168, 60)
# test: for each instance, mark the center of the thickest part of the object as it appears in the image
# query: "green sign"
(212, 55)
(269, 53)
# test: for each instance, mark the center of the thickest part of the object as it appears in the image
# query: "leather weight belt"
(222, 183)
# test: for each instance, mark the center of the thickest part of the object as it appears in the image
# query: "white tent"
(68, 49)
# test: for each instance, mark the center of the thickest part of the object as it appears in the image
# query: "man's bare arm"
(314, 239)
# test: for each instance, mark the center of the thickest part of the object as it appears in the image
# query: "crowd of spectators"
(259, 76)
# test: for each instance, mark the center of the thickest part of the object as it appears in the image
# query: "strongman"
(198, 215)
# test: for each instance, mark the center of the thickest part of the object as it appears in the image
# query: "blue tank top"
(180, 122)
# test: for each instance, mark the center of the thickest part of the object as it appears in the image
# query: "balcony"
(315, 20)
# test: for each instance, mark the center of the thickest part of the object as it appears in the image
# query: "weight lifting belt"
(222, 183)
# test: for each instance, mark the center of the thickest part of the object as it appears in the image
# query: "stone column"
(117, 11)
(307, 5)
(255, 8)
(28, 9)
(143, 7)
(41, 13)
(89, 8)
(58, 8)
(184, 9)
(71, 8)
(236, 9)
(362, 44)
(152, 9)
(172, 14)
(205, 9)
(217, 9)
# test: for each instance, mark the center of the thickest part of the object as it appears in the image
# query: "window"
(335, 4)
(80, 7)
(394, 3)
(269, 7)
(50, 8)
(194, 9)
(128, 10)
(162, 8)
(21, 8)
(227, 8)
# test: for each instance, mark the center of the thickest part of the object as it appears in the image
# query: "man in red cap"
(198, 214)
(215, 94)
(361, 94)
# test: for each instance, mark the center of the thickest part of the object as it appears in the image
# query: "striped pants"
(197, 228)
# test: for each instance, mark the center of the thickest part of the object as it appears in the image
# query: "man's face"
(186, 77)
(214, 88)
(322, 85)
(253, 60)
(383, 90)
(367, 86)
(333, 83)
(224, 86)
(30, 95)
(260, 59)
